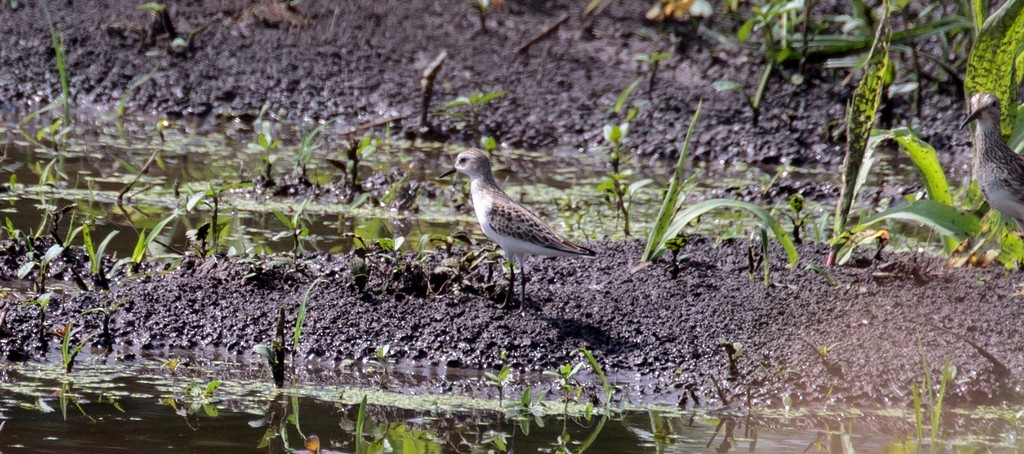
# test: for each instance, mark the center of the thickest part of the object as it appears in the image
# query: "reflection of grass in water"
(139, 391)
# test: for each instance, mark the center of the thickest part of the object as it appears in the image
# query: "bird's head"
(471, 163)
(984, 107)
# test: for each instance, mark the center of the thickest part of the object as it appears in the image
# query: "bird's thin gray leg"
(522, 293)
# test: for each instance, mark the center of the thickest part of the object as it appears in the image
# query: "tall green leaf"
(686, 216)
(930, 170)
(656, 239)
(860, 116)
(993, 58)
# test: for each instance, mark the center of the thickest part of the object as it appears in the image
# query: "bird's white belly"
(513, 248)
(1007, 203)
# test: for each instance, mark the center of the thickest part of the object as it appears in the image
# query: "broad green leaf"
(942, 218)
(683, 218)
(284, 220)
(656, 239)
(993, 57)
(929, 169)
(52, 253)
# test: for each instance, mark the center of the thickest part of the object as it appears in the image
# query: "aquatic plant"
(358, 151)
(42, 262)
(60, 53)
(274, 354)
(502, 378)
(608, 389)
(40, 302)
(96, 254)
(266, 145)
(674, 198)
(68, 353)
(469, 108)
(295, 224)
(160, 19)
(673, 218)
(618, 187)
(107, 309)
(566, 380)
(147, 239)
(300, 319)
(382, 360)
(652, 60)
(997, 48)
(211, 198)
(799, 220)
(427, 87)
(934, 402)
(489, 144)
(777, 21)
(171, 364)
(309, 144)
(198, 396)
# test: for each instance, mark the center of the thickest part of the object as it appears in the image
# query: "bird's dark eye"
(462, 160)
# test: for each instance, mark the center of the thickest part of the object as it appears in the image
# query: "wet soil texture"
(708, 329)
(362, 61)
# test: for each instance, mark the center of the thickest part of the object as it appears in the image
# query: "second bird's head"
(983, 107)
(471, 163)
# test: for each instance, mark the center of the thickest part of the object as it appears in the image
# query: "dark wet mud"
(361, 62)
(707, 329)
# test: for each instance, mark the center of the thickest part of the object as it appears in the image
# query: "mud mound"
(670, 327)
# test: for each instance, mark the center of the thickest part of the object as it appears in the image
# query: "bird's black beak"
(448, 172)
(970, 118)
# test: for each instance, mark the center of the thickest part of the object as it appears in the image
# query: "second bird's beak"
(448, 172)
(970, 118)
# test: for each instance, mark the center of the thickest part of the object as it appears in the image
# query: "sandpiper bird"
(516, 229)
(998, 170)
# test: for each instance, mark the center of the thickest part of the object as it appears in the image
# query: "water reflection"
(100, 408)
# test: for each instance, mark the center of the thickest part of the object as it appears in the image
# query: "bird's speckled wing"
(513, 221)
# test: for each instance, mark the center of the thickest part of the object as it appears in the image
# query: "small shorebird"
(998, 170)
(516, 229)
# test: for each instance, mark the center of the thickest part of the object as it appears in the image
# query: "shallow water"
(97, 163)
(113, 409)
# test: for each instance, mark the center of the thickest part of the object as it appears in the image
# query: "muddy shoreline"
(362, 61)
(667, 328)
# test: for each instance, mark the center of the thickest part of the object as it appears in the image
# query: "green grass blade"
(90, 249)
(62, 70)
(694, 211)
(360, 424)
(656, 239)
(942, 218)
(619, 103)
(993, 55)
(300, 319)
(597, 368)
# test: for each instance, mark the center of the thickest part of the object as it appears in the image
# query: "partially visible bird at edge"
(997, 169)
